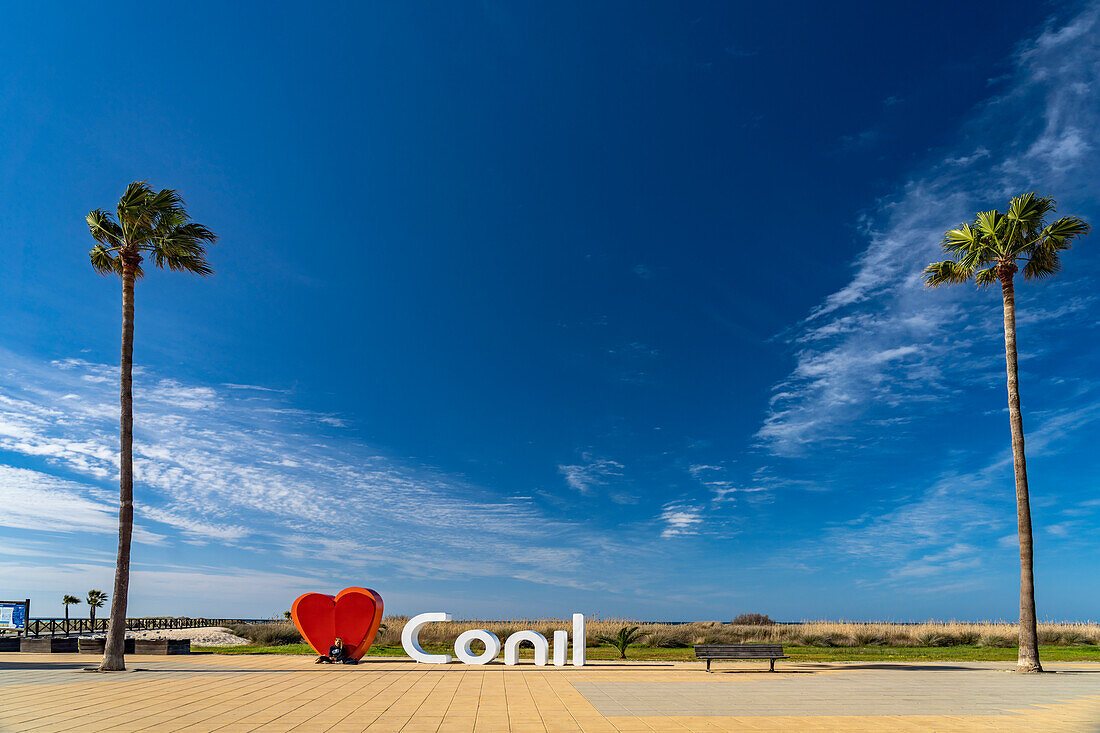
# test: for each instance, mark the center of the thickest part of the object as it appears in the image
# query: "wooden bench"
(710, 652)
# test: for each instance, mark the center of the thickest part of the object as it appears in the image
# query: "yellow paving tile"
(281, 693)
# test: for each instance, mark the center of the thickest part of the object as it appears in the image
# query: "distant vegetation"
(747, 629)
(276, 633)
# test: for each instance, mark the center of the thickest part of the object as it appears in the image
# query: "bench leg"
(708, 665)
(773, 665)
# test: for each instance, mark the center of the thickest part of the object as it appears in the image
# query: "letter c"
(411, 642)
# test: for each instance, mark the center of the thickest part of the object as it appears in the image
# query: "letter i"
(580, 638)
(561, 641)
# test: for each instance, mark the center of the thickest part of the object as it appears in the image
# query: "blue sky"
(594, 307)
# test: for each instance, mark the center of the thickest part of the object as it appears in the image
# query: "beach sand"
(201, 636)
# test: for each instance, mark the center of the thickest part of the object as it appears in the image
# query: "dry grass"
(813, 633)
(671, 636)
(275, 633)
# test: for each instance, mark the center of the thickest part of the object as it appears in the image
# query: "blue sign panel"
(13, 615)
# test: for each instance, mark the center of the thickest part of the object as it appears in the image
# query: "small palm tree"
(151, 224)
(627, 635)
(67, 600)
(95, 599)
(988, 251)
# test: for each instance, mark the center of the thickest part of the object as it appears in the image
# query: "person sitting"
(339, 654)
(336, 651)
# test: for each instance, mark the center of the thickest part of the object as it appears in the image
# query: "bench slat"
(738, 651)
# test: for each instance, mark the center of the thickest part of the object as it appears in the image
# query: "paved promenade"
(49, 692)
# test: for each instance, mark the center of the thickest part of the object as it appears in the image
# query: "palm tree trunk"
(115, 646)
(1028, 660)
(66, 619)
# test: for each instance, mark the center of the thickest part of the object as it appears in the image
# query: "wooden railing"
(78, 626)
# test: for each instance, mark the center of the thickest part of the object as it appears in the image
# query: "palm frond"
(990, 226)
(1044, 252)
(947, 272)
(964, 238)
(969, 246)
(183, 248)
(1065, 229)
(1043, 263)
(985, 277)
(132, 213)
(104, 262)
(165, 202)
(103, 228)
(1028, 210)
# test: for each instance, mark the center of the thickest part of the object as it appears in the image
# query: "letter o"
(467, 638)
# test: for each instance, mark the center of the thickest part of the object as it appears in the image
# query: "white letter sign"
(411, 642)
(465, 653)
(511, 647)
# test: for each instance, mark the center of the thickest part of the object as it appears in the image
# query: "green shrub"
(967, 638)
(869, 638)
(1069, 637)
(812, 639)
(997, 641)
(933, 638)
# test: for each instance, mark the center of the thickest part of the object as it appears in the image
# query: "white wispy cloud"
(945, 527)
(979, 153)
(591, 473)
(715, 479)
(883, 341)
(245, 469)
(681, 519)
(36, 501)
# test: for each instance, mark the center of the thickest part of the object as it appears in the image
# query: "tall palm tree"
(990, 250)
(95, 599)
(151, 224)
(67, 600)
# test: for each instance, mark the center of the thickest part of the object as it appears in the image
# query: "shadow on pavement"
(778, 671)
(10, 665)
(897, 666)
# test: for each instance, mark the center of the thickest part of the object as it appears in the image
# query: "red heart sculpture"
(354, 615)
